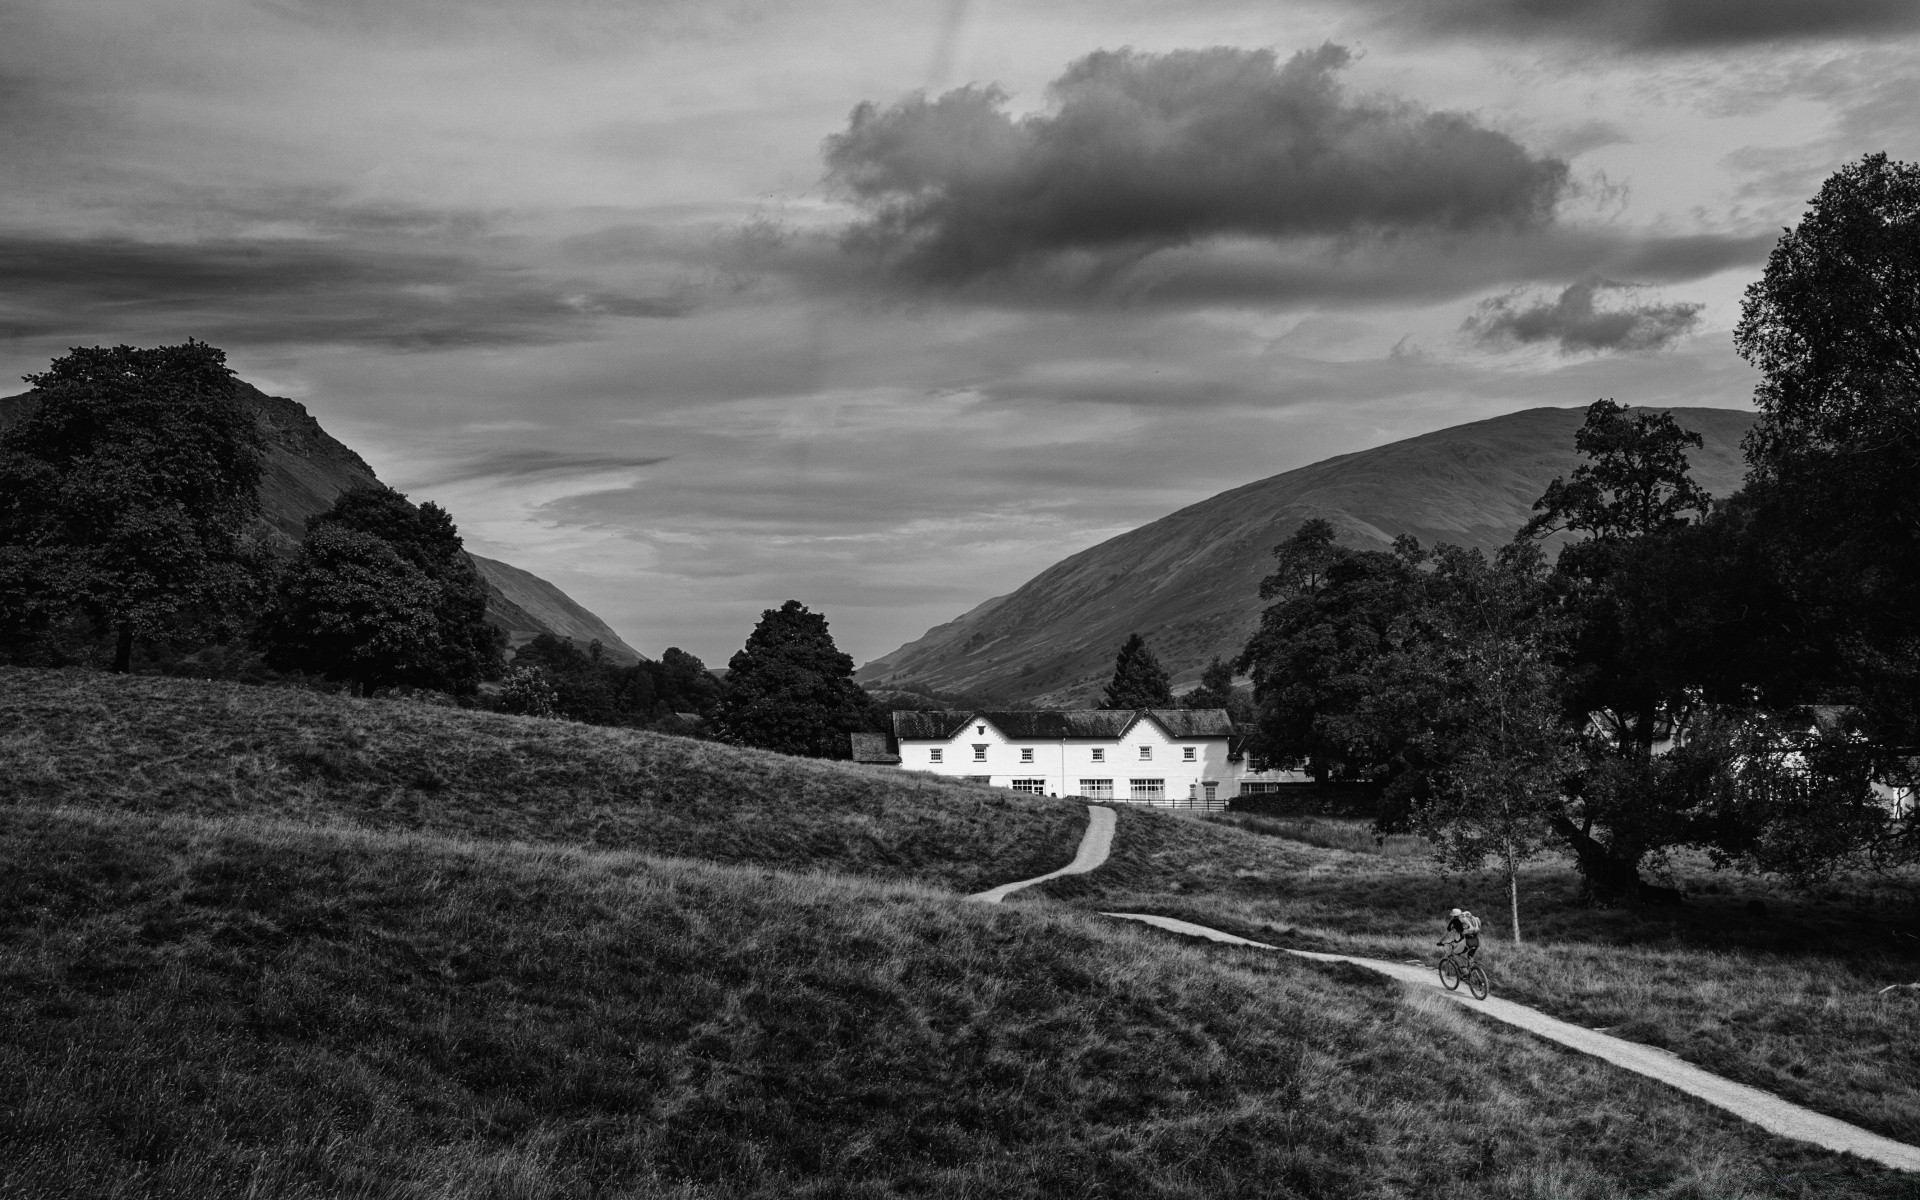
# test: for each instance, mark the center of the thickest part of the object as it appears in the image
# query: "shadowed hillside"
(1190, 581)
(305, 467)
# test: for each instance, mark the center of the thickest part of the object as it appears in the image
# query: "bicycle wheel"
(1450, 972)
(1477, 982)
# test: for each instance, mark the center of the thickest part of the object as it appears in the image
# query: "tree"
(381, 592)
(126, 493)
(527, 692)
(790, 688)
(1833, 325)
(1216, 690)
(1139, 681)
(1335, 688)
(1498, 749)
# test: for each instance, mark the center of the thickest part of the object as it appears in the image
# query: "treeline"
(1739, 675)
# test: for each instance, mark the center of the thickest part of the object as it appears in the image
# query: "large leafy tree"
(791, 689)
(381, 592)
(1834, 327)
(1335, 690)
(126, 493)
(1139, 681)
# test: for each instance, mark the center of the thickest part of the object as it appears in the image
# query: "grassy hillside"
(158, 745)
(1191, 581)
(237, 1007)
(1787, 1000)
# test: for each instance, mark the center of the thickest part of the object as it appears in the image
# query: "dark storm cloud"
(528, 463)
(1140, 152)
(1579, 325)
(1658, 24)
(294, 290)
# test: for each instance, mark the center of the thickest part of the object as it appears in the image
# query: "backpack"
(1469, 923)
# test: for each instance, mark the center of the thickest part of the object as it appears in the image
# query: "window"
(979, 754)
(1026, 754)
(1096, 789)
(936, 756)
(1187, 753)
(1146, 754)
(1149, 789)
(1033, 786)
(1099, 754)
(1255, 787)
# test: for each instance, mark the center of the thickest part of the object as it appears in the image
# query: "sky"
(695, 306)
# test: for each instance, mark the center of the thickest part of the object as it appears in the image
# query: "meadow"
(276, 944)
(1786, 996)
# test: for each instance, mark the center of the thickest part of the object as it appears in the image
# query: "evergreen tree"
(1139, 681)
(381, 592)
(1216, 687)
(125, 496)
(790, 689)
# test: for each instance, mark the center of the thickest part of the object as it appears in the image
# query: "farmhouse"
(1169, 756)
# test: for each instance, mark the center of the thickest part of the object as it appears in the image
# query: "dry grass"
(237, 1007)
(1330, 833)
(149, 744)
(1787, 1001)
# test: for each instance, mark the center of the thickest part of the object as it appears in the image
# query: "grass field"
(239, 1007)
(1787, 1001)
(151, 744)
(276, 944)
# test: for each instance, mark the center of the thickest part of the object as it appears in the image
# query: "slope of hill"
(306, 467)
(156, 744)
(1190, 581)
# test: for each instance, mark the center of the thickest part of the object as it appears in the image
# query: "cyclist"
(1464, 927)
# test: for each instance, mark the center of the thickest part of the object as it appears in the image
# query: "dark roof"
(872, 748)
(941, 725)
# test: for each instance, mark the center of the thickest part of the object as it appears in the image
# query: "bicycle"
(1453, 969)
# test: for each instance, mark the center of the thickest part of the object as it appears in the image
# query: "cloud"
(529, 463)
(364, 291)
(1659, 24)
(1140, 152)
(1579, 325)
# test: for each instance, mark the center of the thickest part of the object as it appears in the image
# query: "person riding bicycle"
(1464, 927)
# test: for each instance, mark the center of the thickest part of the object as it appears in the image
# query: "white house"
(1147, 756)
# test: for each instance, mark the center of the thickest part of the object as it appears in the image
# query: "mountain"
(305, 467)
(1190, 582)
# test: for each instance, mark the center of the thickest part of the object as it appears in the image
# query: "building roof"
(873, 748)
(1104, 723)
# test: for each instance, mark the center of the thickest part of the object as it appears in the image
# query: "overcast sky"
(886, 305)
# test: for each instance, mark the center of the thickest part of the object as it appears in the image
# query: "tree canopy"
(791, 689)
(126, 493)
(381, 592)
(1139, 681)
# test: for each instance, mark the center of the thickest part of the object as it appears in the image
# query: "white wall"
(1064, 764)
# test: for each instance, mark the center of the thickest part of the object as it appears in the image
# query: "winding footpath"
(1764, 1109)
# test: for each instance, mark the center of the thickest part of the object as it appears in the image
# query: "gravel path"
(1764, 1109)
(1095, 844)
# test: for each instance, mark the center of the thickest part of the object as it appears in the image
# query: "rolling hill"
(1190, 581)
(306, 467)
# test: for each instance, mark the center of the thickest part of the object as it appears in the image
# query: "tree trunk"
(1513, 892)
(123, 649)
(1610, 880)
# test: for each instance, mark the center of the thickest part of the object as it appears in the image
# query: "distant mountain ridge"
(305, 467)
(1190, 581)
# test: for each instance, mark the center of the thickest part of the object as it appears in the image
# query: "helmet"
(1454, 913)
